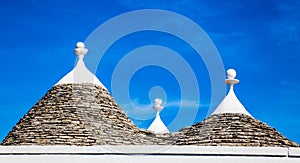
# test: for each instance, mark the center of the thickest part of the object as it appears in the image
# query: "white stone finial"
(80, 50)
(231, 103)
(80, 45)
(231, 74)
(157, 104)
(80, 73)
(158, 125)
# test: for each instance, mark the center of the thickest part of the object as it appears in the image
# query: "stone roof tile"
(232, 129)
(79, 114)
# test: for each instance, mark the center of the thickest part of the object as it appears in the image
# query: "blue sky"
(259, 38)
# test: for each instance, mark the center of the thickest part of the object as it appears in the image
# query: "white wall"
(147, 154)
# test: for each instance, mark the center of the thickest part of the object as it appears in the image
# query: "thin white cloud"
(182, 103)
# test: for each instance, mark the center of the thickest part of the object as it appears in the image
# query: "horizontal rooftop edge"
(295, 152)
(152, 149)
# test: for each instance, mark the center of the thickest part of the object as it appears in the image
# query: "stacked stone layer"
(79, 114)
(232, 129)
(86, 114)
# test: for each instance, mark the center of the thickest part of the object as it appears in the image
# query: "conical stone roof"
(232, 129)
(82, 112)
(79, 110)
(78, 114)
(232, 125)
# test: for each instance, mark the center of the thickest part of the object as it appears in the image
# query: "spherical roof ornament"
(231, 74)
(80, 50)
(157, 104)
(80, 45)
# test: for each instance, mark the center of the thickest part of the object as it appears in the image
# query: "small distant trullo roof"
(158, 125)
(79, 110)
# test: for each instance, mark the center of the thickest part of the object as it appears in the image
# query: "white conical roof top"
(80, 73)
(158, 125)
(231, 103)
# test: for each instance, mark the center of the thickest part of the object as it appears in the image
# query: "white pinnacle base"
(80, 74)
(158, 126)
(231, 104)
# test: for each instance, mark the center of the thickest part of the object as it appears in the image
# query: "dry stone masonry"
(79, 114)
(79, 111)
(232, 129)
(86, 114)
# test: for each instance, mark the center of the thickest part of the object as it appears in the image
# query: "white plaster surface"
(80, 73)
(149, 149)
(145, 154)
(140, 159)
(231, 104)
(158, 125)
(294, 152)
